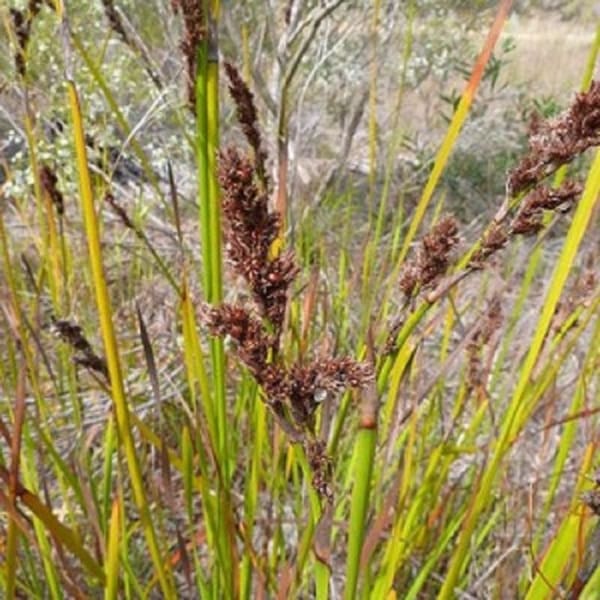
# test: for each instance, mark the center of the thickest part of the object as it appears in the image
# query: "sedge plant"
(199, 405)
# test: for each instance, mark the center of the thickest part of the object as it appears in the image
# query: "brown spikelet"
(248, 119)
(300, 388)
(194, 24)
(72, 334)
(529, 219)
(558, 141)
(322, 468)
(250, 230)
(493, 240)
(21, 27)
(311, 384)
(253, 344)
(48, 180)
(244, 205)
(22, 21)
(491, 322)
(433, 257)
(119, 211)
(114, 20)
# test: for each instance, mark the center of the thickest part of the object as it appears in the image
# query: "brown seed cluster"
(310, 385)
(432, 259)
(194, 24)
(248, 120)
(529, 218)
(491, 322)
(552, 143)
(48, 180)
(119, 211)
(251, 230)
(293, 392)
(493, 240)
(22, 21)
(555, 142)
(322, 468)
(252, 343)
(114, 20)
(72, 334)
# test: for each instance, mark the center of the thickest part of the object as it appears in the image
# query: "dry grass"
(549, 53)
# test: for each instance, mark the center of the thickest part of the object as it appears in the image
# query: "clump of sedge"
(293, 392)
(552, 143)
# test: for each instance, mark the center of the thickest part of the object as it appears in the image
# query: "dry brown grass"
(549, 52)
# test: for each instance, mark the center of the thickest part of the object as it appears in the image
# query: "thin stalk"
(255, 475)
(112, 553)
(362, 465)
(216, 269)
(12, 538)
(207, 143)
(363, 458)
(372, 124)
(110, 342)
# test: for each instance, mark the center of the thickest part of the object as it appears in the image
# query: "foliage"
(220, 380)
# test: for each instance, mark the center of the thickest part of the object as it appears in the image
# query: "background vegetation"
(283, 370)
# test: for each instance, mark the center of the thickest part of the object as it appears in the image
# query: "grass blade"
(110, 342)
